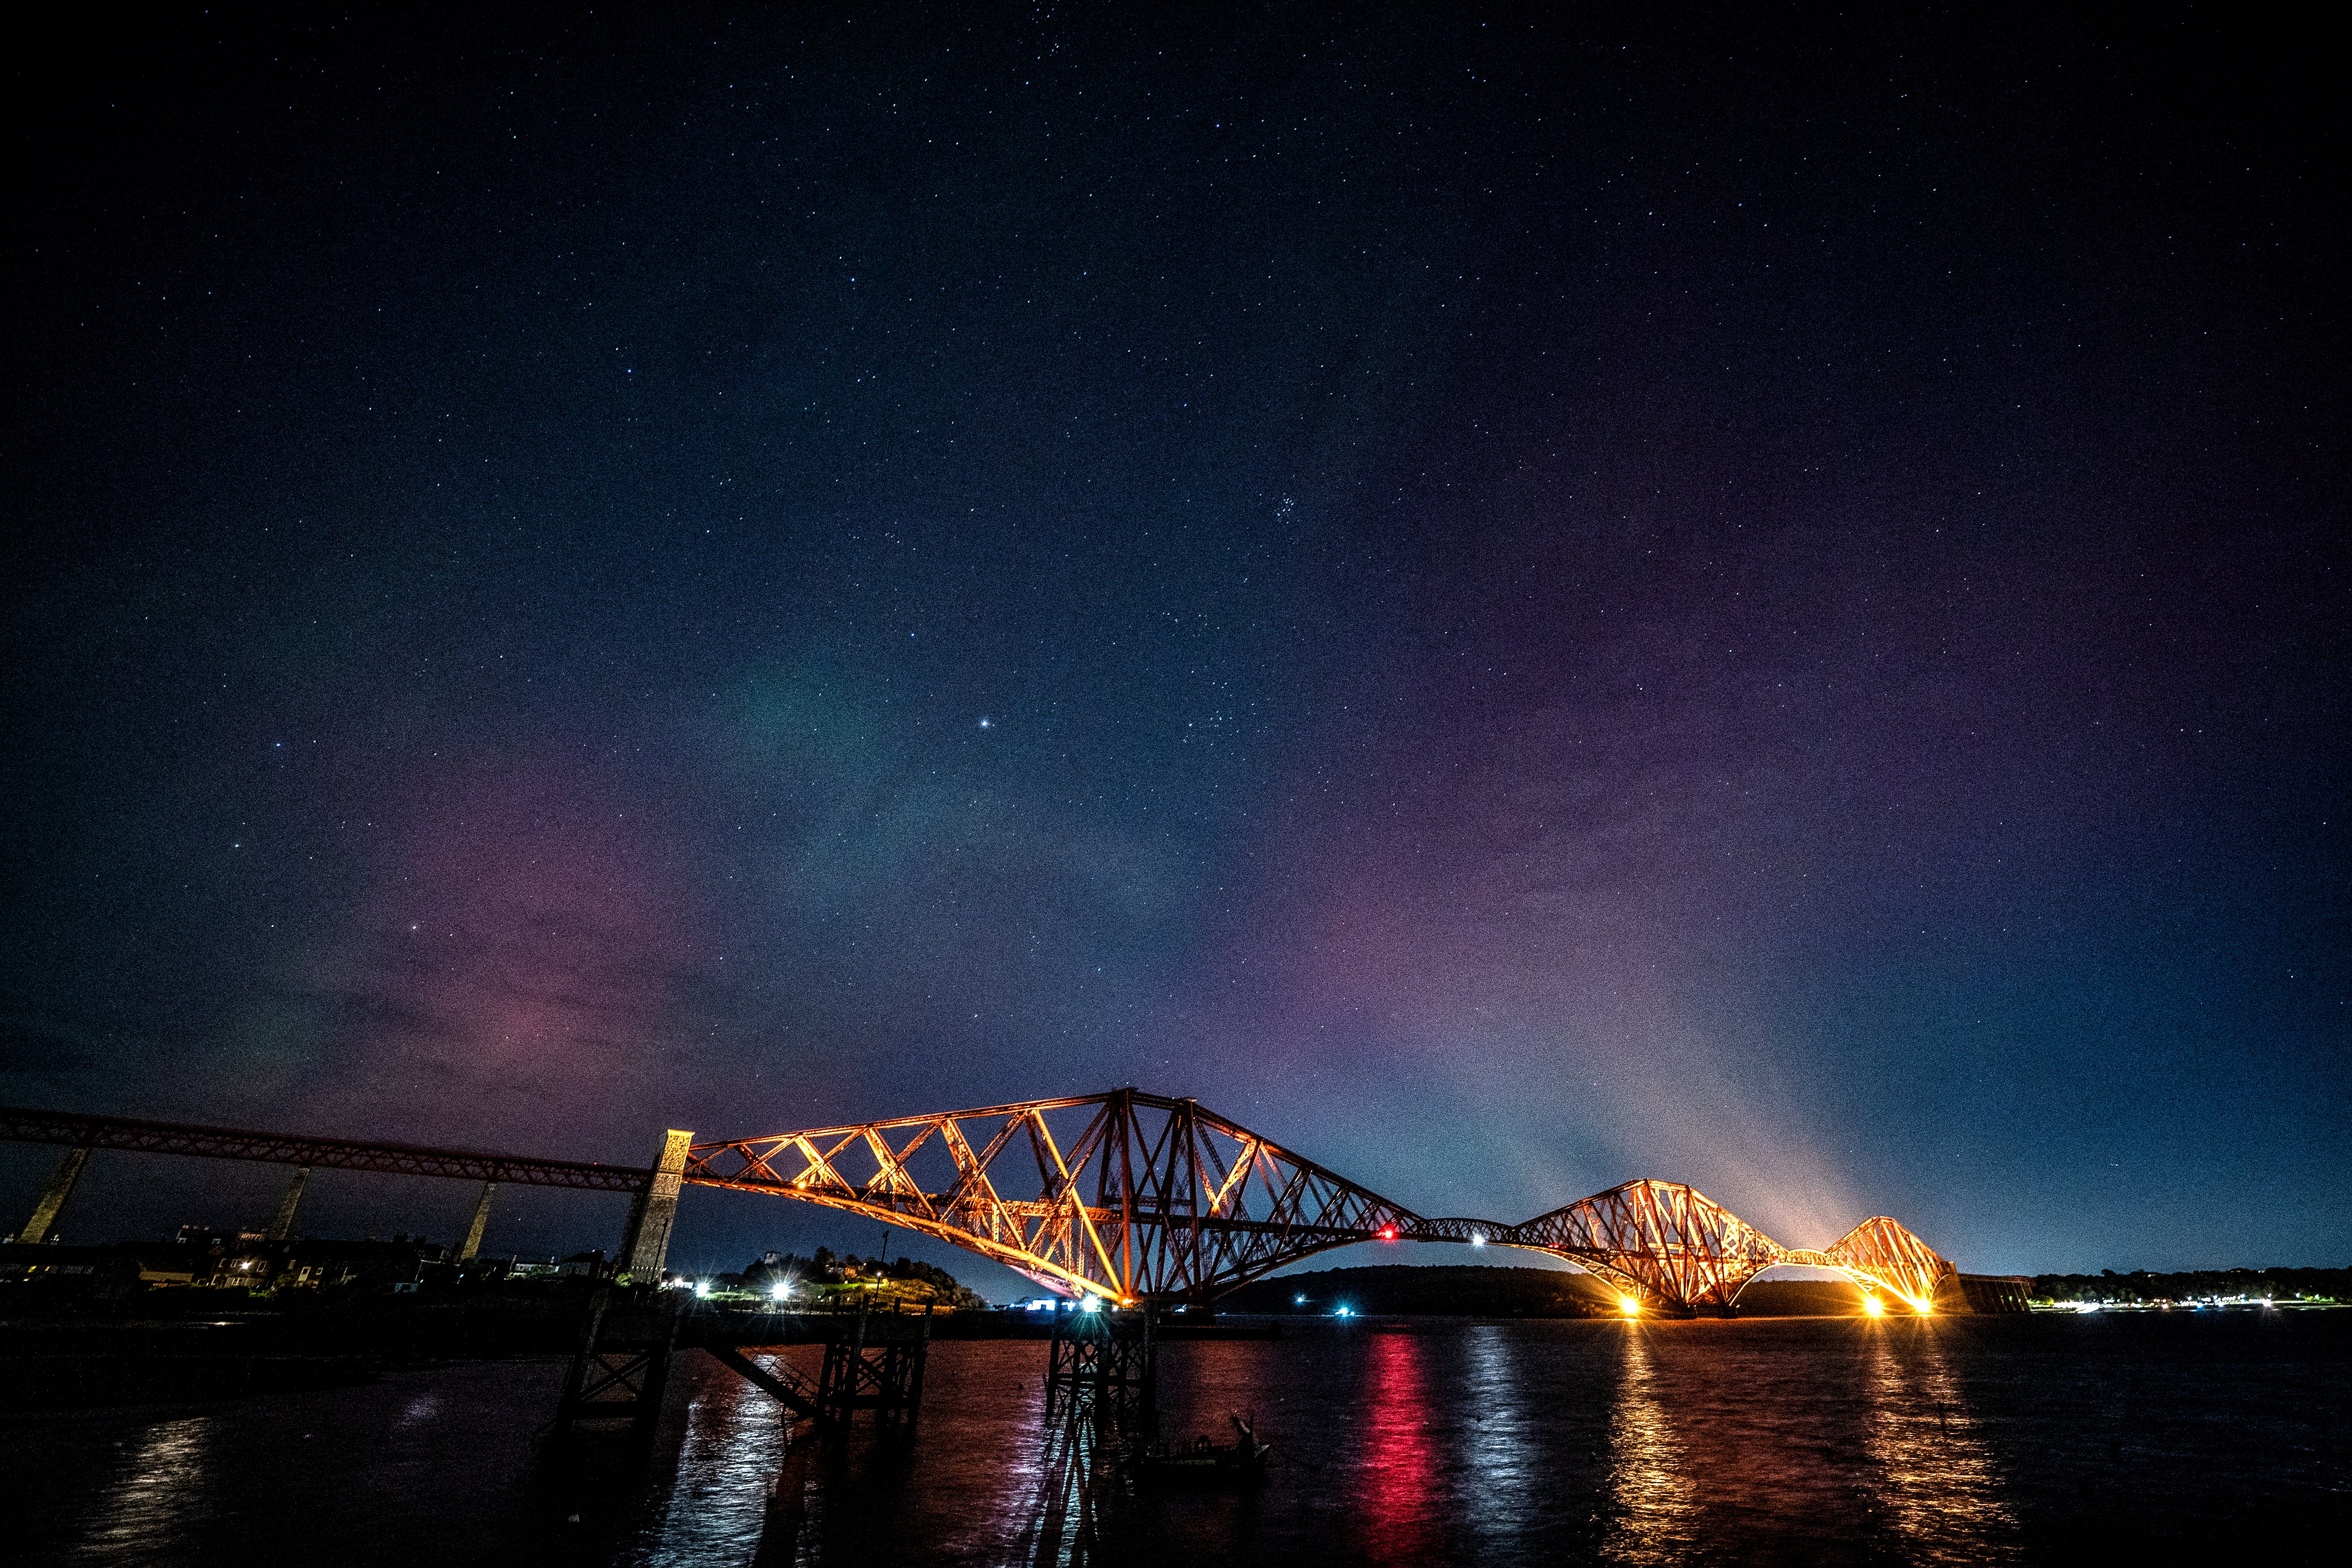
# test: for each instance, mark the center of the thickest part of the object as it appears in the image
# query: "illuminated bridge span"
(1135, 1197)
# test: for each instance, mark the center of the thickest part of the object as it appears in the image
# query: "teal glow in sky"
(1514, 607)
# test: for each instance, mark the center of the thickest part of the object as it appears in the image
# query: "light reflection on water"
(419, 1412)
(159, 1494)
(1824, 1441)
(1941, 1488)
(1653, 1493)
(1071, 1487)
(730, 1457)
(1395, 1483)
(1500, 1462)
(1045, 1491)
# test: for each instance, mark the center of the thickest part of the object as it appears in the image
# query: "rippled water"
(1796, 1441)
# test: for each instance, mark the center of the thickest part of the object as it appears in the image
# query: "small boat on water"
(1204, 1460)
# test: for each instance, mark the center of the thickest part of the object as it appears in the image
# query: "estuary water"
(1959, 1440)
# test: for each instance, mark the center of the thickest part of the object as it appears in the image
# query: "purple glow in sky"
(1514, 607)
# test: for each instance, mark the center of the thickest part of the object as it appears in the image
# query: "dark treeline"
(2200, 1285)
(1466, 1290)
(822, 1272)
(1508, 1292)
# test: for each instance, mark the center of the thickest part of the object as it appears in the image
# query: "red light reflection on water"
(1399, 1503)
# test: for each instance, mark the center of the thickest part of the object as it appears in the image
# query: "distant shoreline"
(1501, 1291)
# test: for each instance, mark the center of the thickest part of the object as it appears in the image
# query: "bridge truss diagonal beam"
(1665, 1239)
(1135, 1196)
(1123, 1195)
(18, 1125)
(1671, 1242)
(1885, 1253)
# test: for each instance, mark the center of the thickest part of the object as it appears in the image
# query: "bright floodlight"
(781, 1291)
(1093, 1304)
(1872, 1305)
(1629, 1305)
(1477, 1241)
(702, 1287)
(1921, 1304)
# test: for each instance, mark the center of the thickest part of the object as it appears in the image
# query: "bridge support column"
(880, 1369)
(1105, 1367)
(54, 1196)
(482, 1218)
(873, 1361)
(283, 1226)
(646, 1246)
(624, 1362)
(629, 1228)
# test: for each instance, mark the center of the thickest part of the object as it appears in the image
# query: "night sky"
(1757, 602)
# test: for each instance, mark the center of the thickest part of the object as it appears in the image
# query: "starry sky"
(1757, 600)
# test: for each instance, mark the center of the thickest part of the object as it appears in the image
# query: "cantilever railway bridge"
(1136, 1197)
(1129, 1197)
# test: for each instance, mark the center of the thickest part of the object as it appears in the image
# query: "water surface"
(1986, 1440)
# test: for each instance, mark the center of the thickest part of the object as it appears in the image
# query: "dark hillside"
(1474, 1291)
(1799, 1299)
(1460, 1290)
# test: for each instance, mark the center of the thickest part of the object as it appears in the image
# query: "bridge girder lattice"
(1126, 1195)
(1134, 1197)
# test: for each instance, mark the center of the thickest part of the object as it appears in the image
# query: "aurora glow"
(1514, 607)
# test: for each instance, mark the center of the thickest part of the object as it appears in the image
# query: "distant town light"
(1345, 1312)
(1298, 1300)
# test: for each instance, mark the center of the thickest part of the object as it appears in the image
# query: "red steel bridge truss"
(1135, 1197)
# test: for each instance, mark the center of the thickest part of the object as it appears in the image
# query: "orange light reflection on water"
(1939, 1486)
(1654, 1505)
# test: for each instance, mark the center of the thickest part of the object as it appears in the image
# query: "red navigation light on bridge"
(1125, 1197)
(1138, 1197)
(1126, 1194)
